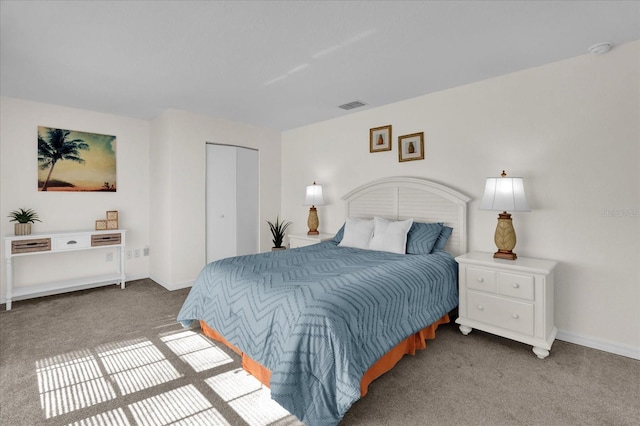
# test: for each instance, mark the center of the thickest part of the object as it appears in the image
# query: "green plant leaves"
(24, 216)
(278, 231)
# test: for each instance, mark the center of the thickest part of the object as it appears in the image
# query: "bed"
(317, 324)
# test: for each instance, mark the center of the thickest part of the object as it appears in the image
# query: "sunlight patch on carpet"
(248, 397)
(115, 417)
(233, 384)
(70, 382)
(76, 381)
(183, 404)
(210, 417)
(136, 365)
(196, 350)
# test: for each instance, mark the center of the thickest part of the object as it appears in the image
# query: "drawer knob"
(515, 285)
(72, 242)
(480, 279)
(480, 308)
(515, 316)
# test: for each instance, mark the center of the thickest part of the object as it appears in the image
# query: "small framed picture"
(101, 225)
(112, 224)
(411, 147)
(380, 139)
(112, 215)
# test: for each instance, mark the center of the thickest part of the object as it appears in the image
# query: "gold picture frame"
(380, 139)
(411, 147)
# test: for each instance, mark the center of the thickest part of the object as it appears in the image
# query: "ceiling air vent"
(352, 105)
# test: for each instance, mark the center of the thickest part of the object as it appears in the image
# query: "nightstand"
(508, 298)
(296, 241)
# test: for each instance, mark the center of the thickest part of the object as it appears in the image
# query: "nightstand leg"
(465, 329)
(540, 352)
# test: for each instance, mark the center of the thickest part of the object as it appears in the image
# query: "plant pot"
(22, 229)
(278, 248)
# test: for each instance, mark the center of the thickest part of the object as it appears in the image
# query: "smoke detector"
(600, 48)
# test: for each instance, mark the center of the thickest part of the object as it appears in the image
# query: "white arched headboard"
(399, 198)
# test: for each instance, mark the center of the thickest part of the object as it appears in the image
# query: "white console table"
(43, 243)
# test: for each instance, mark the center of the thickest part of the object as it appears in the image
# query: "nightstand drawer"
(297, 241)
(71, 243)
(515, 285)
(504, 313)
(481, 279)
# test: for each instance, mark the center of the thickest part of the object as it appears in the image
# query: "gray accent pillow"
(422, 237)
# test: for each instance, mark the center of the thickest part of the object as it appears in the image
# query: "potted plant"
(278, 231)
(24, 217)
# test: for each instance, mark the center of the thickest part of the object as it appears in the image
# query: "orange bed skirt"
(384, 364)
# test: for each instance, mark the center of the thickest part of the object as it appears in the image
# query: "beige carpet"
(109, 356)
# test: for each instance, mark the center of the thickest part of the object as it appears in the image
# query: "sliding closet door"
(231, 201)
(221, 202)
(247, 195)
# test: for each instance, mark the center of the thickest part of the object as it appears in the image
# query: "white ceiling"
(283, 64)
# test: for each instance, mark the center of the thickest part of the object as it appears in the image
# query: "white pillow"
(390, 235)
(357, 233)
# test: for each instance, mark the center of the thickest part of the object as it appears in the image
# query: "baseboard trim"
(171, 287)
(602, 345)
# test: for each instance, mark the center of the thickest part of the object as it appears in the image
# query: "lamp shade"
(504, 194)
(314, 195)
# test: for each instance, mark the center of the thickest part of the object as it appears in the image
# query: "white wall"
(178, 174)
(66, 211)
(569, 128)
(160, 197)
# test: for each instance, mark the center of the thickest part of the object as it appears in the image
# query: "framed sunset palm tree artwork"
(74, 161)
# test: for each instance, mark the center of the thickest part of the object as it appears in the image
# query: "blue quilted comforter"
(319, 316)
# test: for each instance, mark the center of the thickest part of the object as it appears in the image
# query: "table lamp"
(502, 194)
(313, 199)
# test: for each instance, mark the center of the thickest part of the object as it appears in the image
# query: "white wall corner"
(135, 277)
(172, 287)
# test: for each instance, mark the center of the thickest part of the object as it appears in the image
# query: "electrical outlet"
(109, 257)
(136, 253)
(129, 254)
(145, 251)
